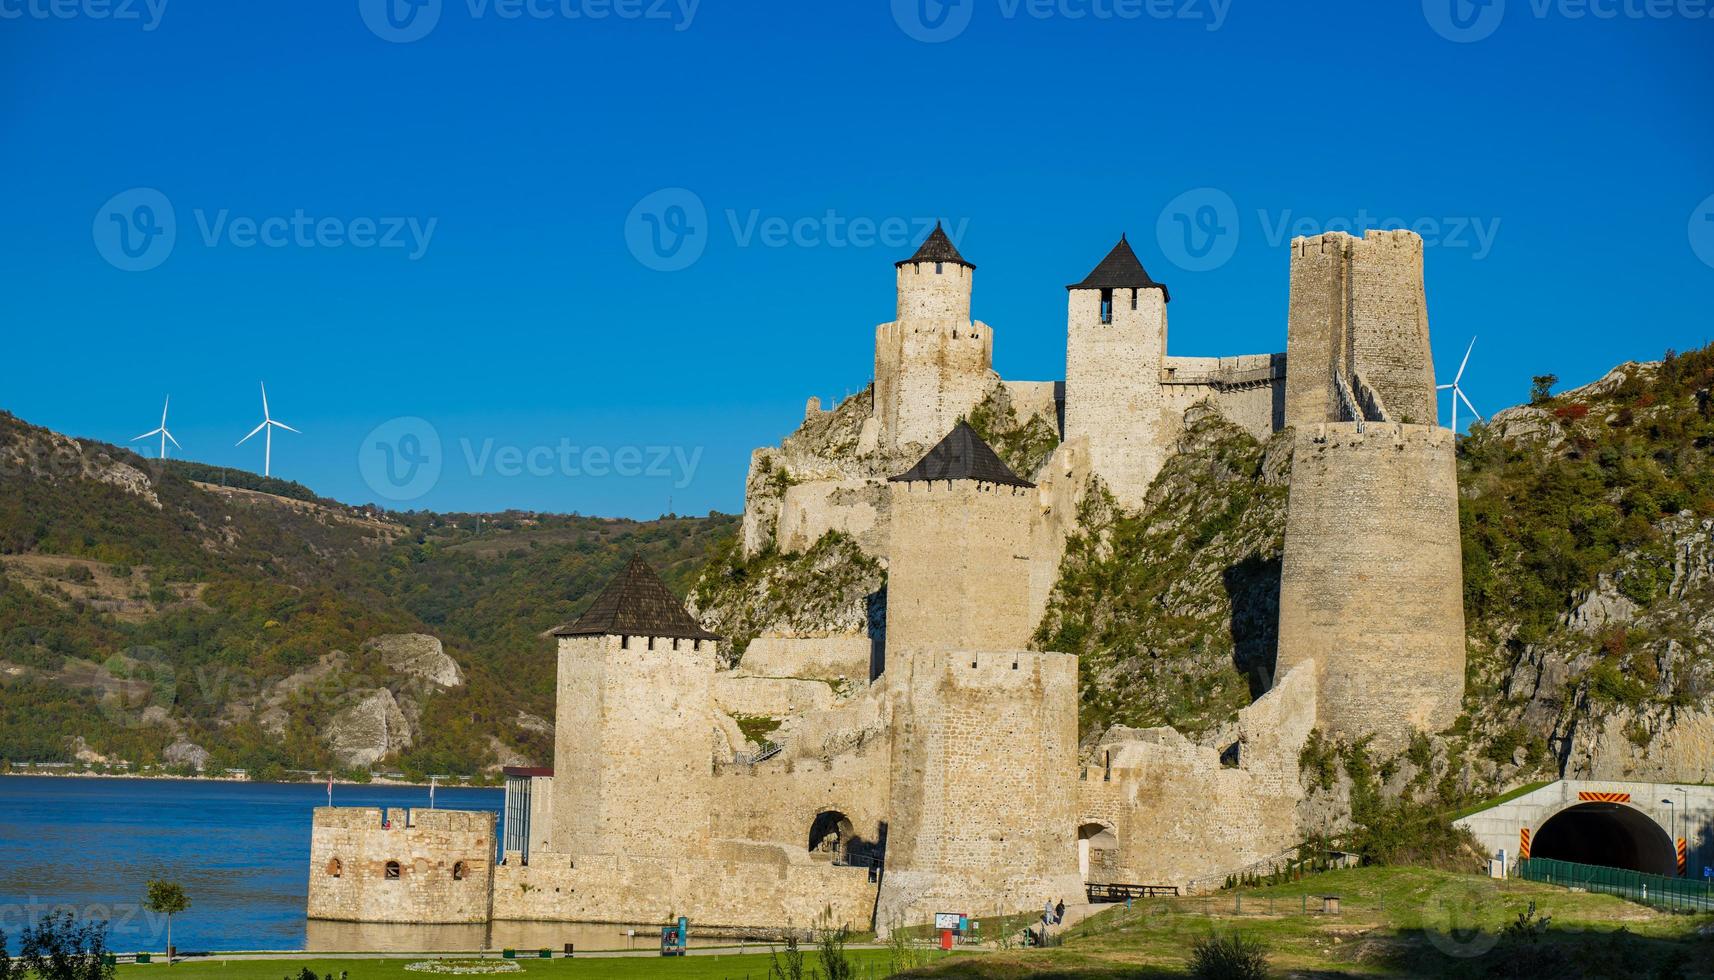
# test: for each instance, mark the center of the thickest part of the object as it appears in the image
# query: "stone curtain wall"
(960, 569)
(1112, 387)
(1180, 815)
(427, 844)
(633, 745)
(984, 785)
(1371, 587)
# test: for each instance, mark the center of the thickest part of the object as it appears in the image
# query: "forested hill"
(182, 614)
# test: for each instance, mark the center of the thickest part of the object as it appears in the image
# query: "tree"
(57, 948)
(1541, 388)
(7, 970)
(166, 898)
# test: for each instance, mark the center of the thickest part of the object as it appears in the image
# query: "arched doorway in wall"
(831, 833)
(1097, 852)
(1609, 834)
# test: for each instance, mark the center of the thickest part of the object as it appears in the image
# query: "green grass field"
(1394, 922)
(871, 963)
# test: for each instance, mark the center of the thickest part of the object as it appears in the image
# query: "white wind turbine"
(1457, 392)
(267, 428)
(162, 431)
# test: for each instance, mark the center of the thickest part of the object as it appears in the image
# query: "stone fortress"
(928, 760)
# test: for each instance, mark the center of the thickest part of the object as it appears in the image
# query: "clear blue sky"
(1563, 159)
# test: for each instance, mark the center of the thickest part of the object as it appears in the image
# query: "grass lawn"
(1396, 922)
(871, 965)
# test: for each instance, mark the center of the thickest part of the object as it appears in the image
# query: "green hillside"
(144, 606)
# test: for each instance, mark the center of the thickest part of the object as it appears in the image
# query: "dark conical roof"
(1120, 270)
(962, 455)
(937, 248)
(636, 603)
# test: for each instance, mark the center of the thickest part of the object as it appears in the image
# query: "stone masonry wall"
(984, 784)
(1113, 393)
(1371, 586)
(444, 859)
(960, 571)
(633, 745)
(1179, 814)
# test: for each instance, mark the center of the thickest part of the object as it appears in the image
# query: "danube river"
(241, 851)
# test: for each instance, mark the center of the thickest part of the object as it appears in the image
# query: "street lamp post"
(1672, 828)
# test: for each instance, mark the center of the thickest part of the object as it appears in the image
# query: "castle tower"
(1371, 581)
(1359, 320)
(933, 364)
(1115, 346)
(959, 573)
(984, 731)
(633, 731)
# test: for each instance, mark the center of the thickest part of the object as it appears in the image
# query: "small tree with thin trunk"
(166, 898)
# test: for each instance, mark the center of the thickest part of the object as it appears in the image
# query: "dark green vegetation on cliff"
(144, 607)
(1174, 609)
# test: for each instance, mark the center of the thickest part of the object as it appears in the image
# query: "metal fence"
(1660, 891)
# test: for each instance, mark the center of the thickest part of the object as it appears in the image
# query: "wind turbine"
(1457, 392)
(267, 428)
(162, 431)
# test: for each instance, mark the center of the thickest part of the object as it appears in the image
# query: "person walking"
(1059, 912)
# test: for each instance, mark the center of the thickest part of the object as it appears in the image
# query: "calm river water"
(241, 850)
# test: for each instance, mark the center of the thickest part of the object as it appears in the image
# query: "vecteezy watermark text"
(137, 230)
(402, 459)
(934, 21)
(403, 21)
(1200, 229)
(1468, 21)
(669, 229)
(148, 13)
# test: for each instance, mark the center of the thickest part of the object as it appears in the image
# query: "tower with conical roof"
(1115, 349)
(633, 725)
(932, 363)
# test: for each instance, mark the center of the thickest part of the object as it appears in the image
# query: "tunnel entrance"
(1609, 834)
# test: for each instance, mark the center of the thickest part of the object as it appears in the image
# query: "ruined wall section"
(1113, 397)
(1180, 815)
(1371, 586)
(1249, 389)
(634, 727)
(443, 858)
(984, 784)
(960, 572)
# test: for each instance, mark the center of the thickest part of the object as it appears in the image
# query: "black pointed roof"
(636, 603)
(1120, 270)
(937, 248)
(962, 455)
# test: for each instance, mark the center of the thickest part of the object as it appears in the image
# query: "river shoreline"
(169, 777)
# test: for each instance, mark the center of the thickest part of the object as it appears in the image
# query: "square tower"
(634, 729)
(1115, 347)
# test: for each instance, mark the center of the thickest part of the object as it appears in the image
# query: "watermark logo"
(146, 12)
(1452, 921)
(1198, 230)
(668, 230)
(400, 21)
(1702, 231)
(143, 688)
(401, 459)
(136, 229)
(933, 21)
(936, 21)
(1464, 21)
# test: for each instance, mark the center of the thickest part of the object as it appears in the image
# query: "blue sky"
(455, 220)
